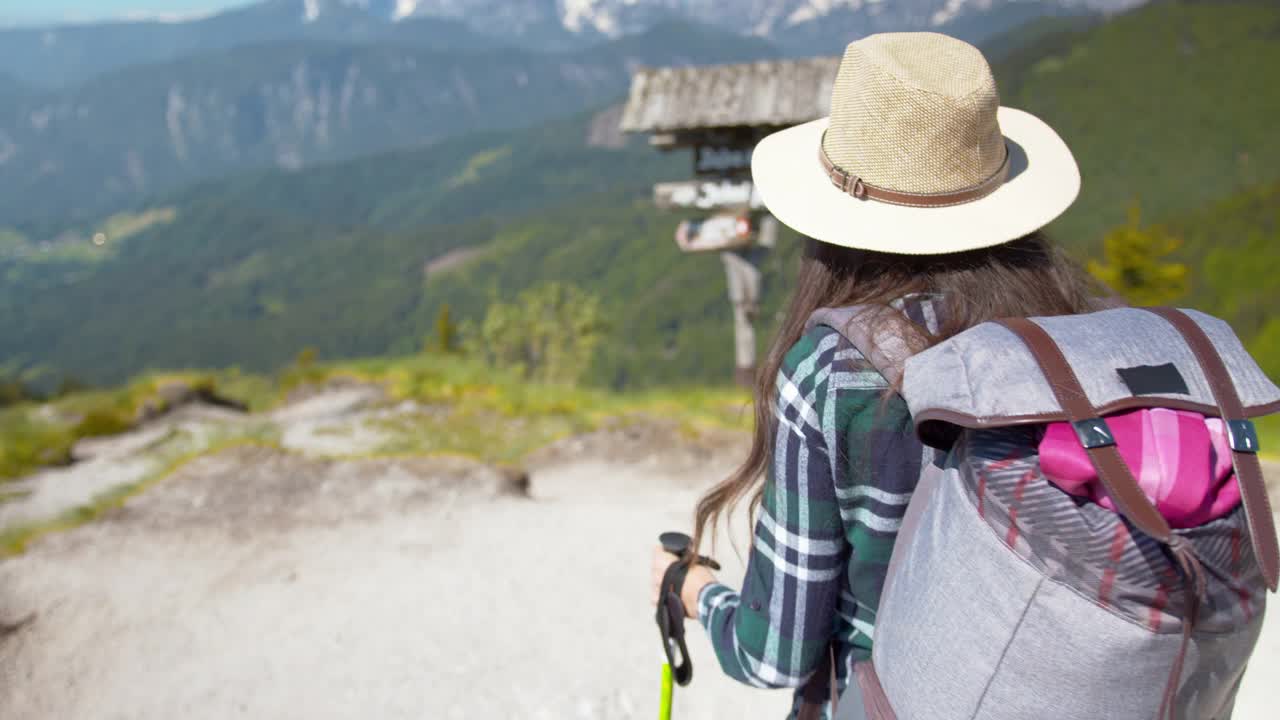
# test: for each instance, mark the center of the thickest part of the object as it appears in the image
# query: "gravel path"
(265, 584)
(107, 463)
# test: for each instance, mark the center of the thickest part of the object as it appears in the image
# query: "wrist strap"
(671, 614)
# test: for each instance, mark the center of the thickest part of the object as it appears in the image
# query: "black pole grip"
(677, 543)
(671, 610)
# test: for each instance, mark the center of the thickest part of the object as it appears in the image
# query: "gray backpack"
(1008, 598)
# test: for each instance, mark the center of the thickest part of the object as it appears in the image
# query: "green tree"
(307, 358)
(70, 385)
(12, 391)
(446, 332)
(550, 333)
(1136, 263)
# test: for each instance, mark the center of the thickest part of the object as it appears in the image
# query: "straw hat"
(917, 156)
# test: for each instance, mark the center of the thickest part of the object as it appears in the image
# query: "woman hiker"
(921, 196)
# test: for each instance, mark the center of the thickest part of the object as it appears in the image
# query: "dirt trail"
(264, 584)
(268, 584)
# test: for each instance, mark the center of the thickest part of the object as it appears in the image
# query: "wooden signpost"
(720, 112)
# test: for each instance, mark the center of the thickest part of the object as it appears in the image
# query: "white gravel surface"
(265, 584)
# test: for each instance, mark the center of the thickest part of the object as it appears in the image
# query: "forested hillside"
(249, 272)
(1172, 105)
(1164, 107)
(1233, 250)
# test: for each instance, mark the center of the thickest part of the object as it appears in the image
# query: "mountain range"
(358, 258)
(96, 117)
(73, 154)
(774, 19)
(62, 56)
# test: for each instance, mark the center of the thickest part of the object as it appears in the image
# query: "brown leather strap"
(833, 683)
(858, 188)
(1095, 436)
(1193, 573)
(1253, 488)
(875, 703)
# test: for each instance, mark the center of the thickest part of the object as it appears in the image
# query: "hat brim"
(1043, 182)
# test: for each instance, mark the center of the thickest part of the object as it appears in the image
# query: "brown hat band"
(855, 186)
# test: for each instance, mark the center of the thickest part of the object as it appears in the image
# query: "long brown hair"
(1028, 277)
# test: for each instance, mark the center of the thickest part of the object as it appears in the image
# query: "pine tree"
(446, 331)
(307, 358)
(1137, 263)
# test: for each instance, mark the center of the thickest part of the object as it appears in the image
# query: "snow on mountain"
(757, 17)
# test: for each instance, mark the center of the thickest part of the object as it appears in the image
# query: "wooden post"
(743, 277)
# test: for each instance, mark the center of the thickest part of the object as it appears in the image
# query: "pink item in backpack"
(1180, 459)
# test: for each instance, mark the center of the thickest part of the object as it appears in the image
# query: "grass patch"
(1269, 436)
(484, 435)
(100, 422)
(122, 226)
(495, 416)
(28, 442)
(470, 410)
(477, 163)
(455, 380)
(34, 436)
(489, 414)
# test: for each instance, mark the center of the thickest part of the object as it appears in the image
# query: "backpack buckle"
(1242, 436)
(1094, 433)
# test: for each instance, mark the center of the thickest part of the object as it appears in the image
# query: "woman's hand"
(697, 578)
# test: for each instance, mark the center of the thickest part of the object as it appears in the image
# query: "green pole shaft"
(664, 704)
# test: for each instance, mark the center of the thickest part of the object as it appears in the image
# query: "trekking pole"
(670, 617)
(664, 702)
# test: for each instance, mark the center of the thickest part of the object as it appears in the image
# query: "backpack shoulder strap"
(881, 333)
(1092, 430)
(1243, 439)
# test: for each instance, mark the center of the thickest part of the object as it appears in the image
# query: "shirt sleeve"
(774, 632)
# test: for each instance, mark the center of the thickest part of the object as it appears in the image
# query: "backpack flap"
(1125, 358)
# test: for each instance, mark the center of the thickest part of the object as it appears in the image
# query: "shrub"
(548, 334)
(100, 422)
(1136, 263)
(27, 444)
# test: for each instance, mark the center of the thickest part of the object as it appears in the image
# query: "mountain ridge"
(251, 269)
(296, 104)
(66, 55)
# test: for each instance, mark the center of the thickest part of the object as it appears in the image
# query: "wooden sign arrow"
(707, 195)
(718, 232)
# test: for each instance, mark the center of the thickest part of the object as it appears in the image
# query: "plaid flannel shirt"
(845, 461)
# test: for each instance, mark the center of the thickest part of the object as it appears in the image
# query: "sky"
(24, 12)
